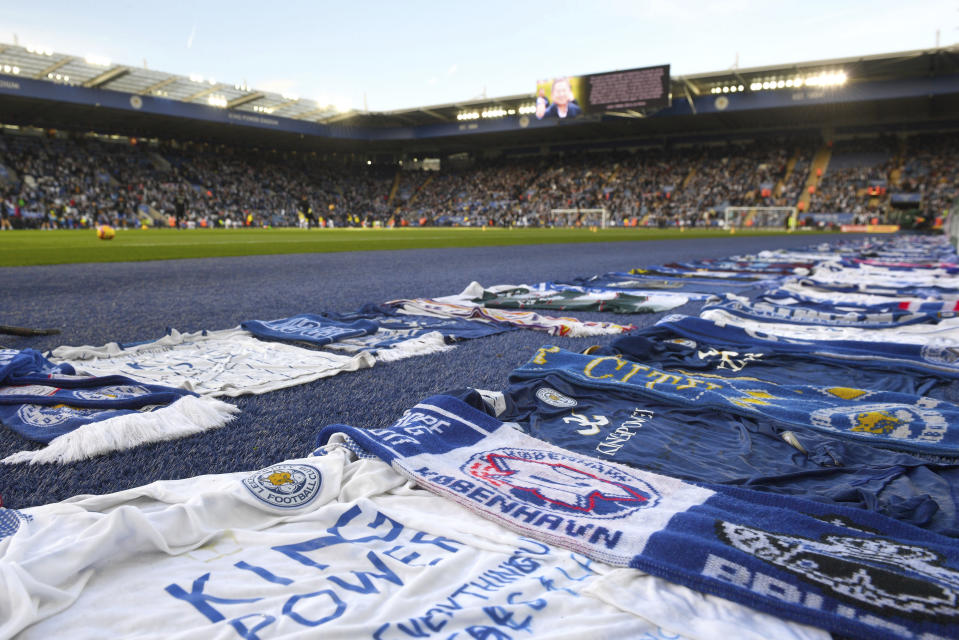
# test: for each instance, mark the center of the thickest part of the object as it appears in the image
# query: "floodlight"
(97, 61)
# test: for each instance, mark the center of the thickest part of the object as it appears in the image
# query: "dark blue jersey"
(716, 446)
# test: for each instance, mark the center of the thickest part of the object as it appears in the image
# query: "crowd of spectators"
(67, 181)
(858, 179)
(931, 169)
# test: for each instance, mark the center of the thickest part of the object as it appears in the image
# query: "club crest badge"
(38, 415)
(563, 484)
(885, 421)
(554, 398)
(940, 352)
(286, 486)
(119, 392)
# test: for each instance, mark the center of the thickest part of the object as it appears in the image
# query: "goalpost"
(760, 217)
(579, 218)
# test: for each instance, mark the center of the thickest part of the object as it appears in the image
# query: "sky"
(400, 54)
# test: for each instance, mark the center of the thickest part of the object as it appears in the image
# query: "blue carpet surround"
(94, 304)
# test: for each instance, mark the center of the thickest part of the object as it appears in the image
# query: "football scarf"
(807, 293)
(309, 329)
(402, 336)
(556, 326)
(453, 329)
(865, 275)
(746, 264)
(213, 363)
(847, 571)
(882, 418)
(767, 311)
(631, 281)
(667, 348)
(885, 303)
(656, 296)
(325, 546)
(523, 297)
(934, 358)
(79, 417)
(355, 336)
(698, 274)
(945, 331)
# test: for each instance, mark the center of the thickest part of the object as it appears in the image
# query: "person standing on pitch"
(179, 208)
(306, 210)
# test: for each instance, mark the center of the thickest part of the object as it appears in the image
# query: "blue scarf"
(308, 328)
(939, 359)
(40, 400)
(767, 311)
(411, 326)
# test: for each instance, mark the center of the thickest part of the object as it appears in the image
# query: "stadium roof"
(93, 72)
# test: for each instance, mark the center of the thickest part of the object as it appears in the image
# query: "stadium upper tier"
(69, 180)
(36, 79)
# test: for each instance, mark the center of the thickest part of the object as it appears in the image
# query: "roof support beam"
(53, 67)
(250, 97)
(338, 117)
(158, 85)
(201, 94)
(689, 98)
(107, 76)
(284, 105)
(690, 87)
(430, 112)
(313, 112)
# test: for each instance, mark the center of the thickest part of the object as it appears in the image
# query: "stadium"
(632, 355)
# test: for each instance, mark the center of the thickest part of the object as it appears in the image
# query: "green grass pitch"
(22, 248)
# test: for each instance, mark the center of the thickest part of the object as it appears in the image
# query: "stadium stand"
(70, 181)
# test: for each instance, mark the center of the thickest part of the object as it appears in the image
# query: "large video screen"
(567, 97)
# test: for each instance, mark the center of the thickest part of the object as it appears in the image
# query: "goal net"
(578, 218)
(759, 217)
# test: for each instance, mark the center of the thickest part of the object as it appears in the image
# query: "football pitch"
(34, 247)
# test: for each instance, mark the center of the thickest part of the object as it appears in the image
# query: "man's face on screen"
(561, 92)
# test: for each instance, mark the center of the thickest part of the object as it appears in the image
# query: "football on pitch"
(106, 232)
